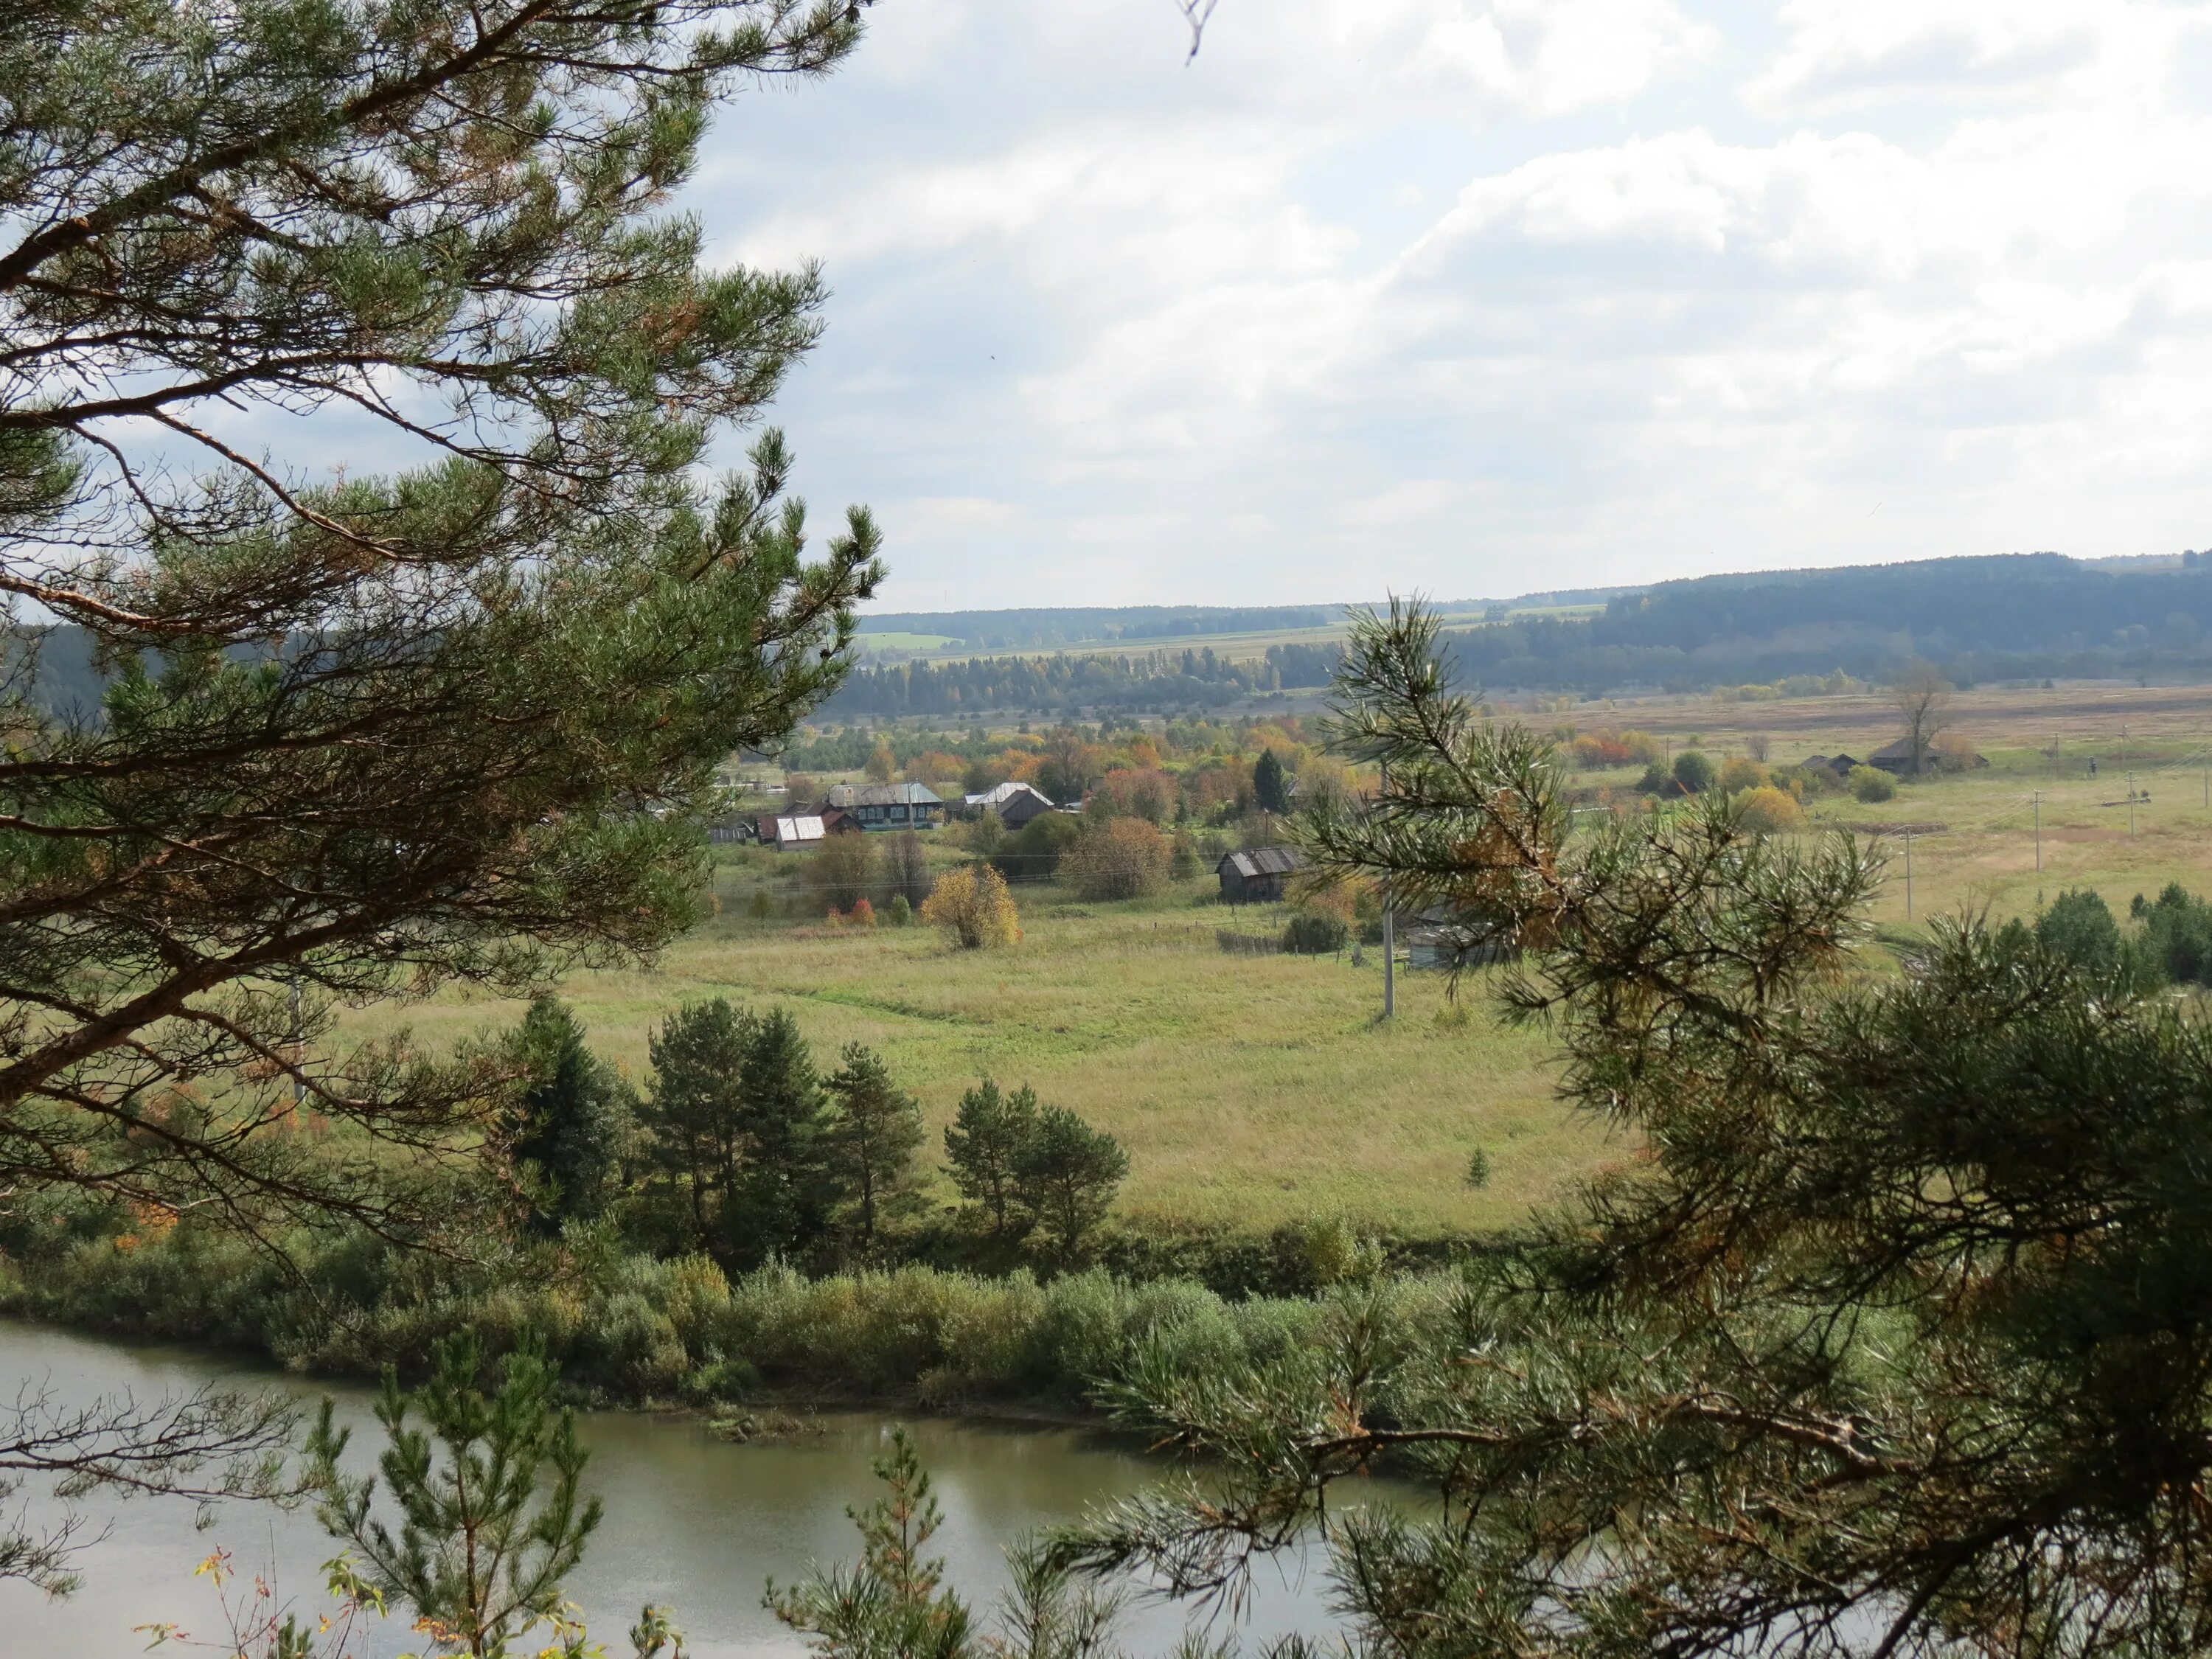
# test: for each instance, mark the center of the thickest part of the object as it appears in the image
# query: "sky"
(1481, 297)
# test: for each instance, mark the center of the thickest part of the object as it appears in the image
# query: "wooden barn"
(1258, 877)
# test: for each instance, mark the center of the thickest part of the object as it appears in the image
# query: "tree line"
(2028, 616)
(740, 1146)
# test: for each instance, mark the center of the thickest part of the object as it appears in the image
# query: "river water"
(693, 1522)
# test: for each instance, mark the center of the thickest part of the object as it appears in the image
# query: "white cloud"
(1485, 297)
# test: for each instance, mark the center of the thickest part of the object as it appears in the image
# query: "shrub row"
(628, 1329)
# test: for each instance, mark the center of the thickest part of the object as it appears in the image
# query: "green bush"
(1033, 853)
(1315, 934)
(2176, 934)
(1694, 772)
(1871, 783)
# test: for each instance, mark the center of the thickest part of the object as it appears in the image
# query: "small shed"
(1840, 765)
(792, 830)
(1257, 877)
(1016, 803)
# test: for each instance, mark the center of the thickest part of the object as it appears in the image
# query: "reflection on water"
(692, 1523)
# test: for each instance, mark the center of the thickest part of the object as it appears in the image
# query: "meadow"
(1249, 1091)
(1252, 1090)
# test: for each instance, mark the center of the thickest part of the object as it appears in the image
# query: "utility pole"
(2039, 832)
(1389, 936)
(1908, 875)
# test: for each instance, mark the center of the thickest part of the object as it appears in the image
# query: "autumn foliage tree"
(972, 904)
(1120, 858)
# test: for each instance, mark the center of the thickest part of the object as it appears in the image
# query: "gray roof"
(882, 795)
(1264, 861)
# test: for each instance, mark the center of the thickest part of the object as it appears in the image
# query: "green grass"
(1249, 1091)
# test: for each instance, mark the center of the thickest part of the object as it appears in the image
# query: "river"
(693, 1522)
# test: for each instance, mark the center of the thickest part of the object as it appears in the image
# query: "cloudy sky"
(1484, 296)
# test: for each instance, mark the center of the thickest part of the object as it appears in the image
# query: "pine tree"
(693, 1115)
(984, 1144)
(366, 735)
(895, 1603)
(489, 1490)
(1896, 1343)
(1067, 1173)
(1271, 785)
(873, 1139)
(572, 1123)
(781, 1203)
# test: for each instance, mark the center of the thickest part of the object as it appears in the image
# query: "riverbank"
(630, 1331)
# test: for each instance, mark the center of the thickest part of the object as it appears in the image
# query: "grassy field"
(1249, 1089)
(1975, 840)
(1255, 1090)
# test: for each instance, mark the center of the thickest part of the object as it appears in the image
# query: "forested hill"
(2036, 615)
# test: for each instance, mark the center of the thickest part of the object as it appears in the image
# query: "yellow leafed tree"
(972, 904)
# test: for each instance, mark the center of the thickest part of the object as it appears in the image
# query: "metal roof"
(799, 826)
(1265, 861)
(1006, 791)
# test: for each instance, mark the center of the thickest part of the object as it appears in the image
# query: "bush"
(1120, 858)
(1771, 812)
(1738, 775)
(1315, 934)
(843, 870)
(1182, 856)
(1694, 772)
(899, 913)
(972, 904)
(1871, 783)
(1034, 852)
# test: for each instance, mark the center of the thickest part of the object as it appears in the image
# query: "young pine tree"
(871, 1141)
(893, 1606)
(984, 1144)
(1066, 1174)
(572, 1123)
(489, 1498)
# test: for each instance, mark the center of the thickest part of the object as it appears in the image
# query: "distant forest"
(2018, 616)
(2032, 616)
